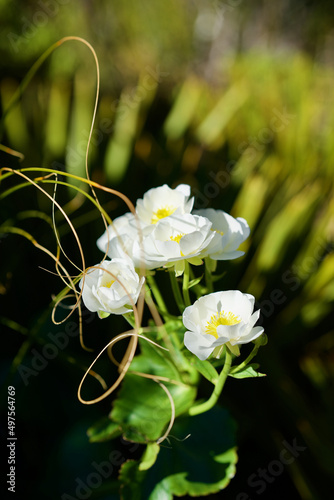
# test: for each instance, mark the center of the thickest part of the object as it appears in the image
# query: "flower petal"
(253, 334)
(198, 345)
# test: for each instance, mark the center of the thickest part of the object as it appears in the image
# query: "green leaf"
(131, 478)
(149, 457)
(248, 372)
(205, 368)
(174, 327)
(103, 430)
(195, 281)
(102, 314)
(157, 361)
(199, 460)
(142, 408)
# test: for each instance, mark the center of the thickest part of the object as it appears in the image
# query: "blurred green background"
(234, 98)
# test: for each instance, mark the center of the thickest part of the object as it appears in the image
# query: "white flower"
(110, 287)
(162, 202)
(220, 318)
(121, 234)
(177, 239)
(229, 233)
(119, 226)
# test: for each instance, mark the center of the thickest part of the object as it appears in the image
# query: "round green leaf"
(143, 410)
(150, 456)
(103, 430)
(198, 460)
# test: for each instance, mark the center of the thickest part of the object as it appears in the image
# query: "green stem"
(208, 277)
(210, 403)
(247, 360)
(185, 285)
(176, 290)
(157, 295)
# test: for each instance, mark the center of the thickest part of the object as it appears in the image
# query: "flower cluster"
(165, 232)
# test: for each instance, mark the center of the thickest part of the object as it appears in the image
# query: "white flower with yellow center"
(175, 240)
(229, 233)
(111, 287)
(220, 318)
(158, 203)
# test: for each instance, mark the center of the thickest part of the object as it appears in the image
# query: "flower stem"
(176, 290)
(242, 365)
(210, 403)
(185, 286)
(208, 277)
(157, 295)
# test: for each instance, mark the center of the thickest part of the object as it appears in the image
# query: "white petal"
(253, 334)
(227, 332)
(184, 189)
(89, 299)
(206, 306)
(198, 345)
(168, 250)
(189, 205)
(235, 231)
(119, 226)
(233, 301)
(245, 229)
(190, 243)
(253, 319)
(227, 255)
(191, 318)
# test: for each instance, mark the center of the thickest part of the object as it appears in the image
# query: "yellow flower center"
(221, 318)
(161, 213)
(177, 237)
(109, 283)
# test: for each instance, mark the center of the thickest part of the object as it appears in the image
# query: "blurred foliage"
(251, 132)
(192, 35)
